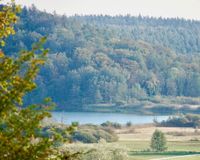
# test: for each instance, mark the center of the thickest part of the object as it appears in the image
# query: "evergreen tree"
(158, 141)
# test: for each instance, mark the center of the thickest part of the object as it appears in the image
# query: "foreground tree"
(21, 128)
(158, 141)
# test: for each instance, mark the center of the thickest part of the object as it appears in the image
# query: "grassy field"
(181, 142)
(188, 158)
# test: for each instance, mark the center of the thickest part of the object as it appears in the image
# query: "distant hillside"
(103, 59)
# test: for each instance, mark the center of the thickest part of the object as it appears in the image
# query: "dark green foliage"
(129, 124)
(103, 59)
(158, 141)
(188, 120)
(112, 125)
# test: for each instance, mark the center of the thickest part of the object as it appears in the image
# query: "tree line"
(105, 59)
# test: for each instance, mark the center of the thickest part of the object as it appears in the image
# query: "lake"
(99, 118)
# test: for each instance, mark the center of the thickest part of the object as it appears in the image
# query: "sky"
(189, 9)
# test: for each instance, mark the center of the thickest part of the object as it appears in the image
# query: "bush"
(92, 134)
(84, 137)
(111, 124)
(129, 124)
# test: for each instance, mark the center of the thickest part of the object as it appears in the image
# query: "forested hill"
(104, 59)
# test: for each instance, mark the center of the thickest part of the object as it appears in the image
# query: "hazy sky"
(165, 8)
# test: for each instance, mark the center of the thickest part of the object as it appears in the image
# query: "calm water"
(98, 118)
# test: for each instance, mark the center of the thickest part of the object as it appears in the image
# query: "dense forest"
(104, 59)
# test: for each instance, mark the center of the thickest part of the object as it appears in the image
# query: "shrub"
(128, 124)
(92, 134)
(111, 124)
(84, 137)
